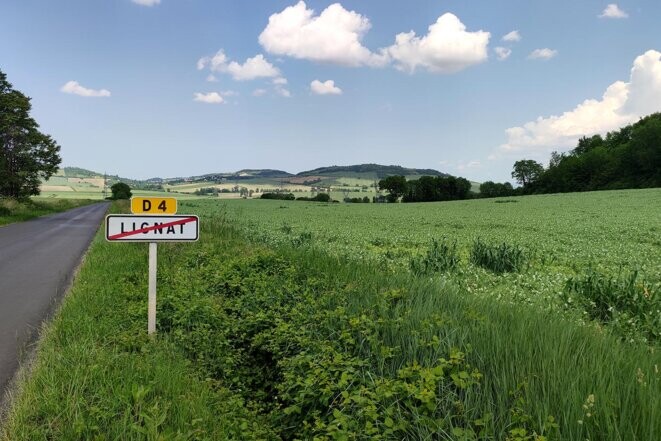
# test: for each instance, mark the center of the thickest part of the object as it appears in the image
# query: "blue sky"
(146, 88)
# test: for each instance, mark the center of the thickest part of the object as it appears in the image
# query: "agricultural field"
(614, 234)
(301, 320)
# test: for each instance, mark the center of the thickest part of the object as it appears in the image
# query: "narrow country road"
(37, 260)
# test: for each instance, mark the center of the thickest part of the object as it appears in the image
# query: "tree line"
(625, 158)
(426, 188)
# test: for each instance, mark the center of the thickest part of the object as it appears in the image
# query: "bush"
(364, 200)
(440, 257)
(278, 196)
(120, 190)
(498, 258)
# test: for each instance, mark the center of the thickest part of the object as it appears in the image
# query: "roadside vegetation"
(289, 339)
(12, 210)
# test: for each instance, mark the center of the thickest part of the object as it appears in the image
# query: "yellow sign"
(153, 205)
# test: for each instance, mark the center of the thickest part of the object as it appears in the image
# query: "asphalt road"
(37, 260)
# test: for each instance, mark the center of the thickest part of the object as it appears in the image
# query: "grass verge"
(289, 343)
(13, 211)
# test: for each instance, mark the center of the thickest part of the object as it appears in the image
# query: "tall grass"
(498, 258)
(626, 302)
(440, 256)
(12, 210)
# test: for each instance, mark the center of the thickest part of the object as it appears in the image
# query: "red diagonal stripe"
(152, 228)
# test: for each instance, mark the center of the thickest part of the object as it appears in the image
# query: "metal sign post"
(152, 228)
(151, 307)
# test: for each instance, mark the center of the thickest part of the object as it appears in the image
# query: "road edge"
(33, 343)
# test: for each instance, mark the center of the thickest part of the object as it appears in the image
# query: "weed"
(625, 302)
(441, 256)
(498, 258)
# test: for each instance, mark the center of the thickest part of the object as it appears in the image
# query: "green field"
(298, 320)
(613, 233)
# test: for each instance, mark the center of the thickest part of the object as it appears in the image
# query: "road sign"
(142, 228)
(140, 205)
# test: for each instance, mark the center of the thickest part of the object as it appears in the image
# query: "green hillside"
(370, 171)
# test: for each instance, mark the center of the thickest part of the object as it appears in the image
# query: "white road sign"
(139, 228)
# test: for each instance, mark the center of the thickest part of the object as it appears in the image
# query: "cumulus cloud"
(622, 103)
(212, 78)
(280, 81)
(502, 53)
(259, 92)
(543, 54)
(326, 88)
(75, 88)
(209, 98)
(447, 47)
(334, 36)
(252, 68)
(613, 11)
(146, 2)
(512, 36)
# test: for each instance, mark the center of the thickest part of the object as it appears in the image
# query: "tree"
(120, 190)
(490, 189)
(396, 186)
(27, 156)
(527, 171)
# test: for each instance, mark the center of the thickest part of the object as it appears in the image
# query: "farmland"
(613, 233)
(298, 320)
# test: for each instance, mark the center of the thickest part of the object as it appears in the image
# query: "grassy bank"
(14, 211)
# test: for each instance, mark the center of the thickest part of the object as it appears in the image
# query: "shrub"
(278, 196)
(120, 190)
(440, 257)
(498, 258)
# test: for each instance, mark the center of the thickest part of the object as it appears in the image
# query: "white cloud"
(502, 53)
(212, 78)
(259, 92)
(252, 68)
(146, 2)
(280, 81)
(334, 36)
(282, 91)
(613, 11)
(446, 48)
(543, 54)
(326, 88)
(75, 88)
(471, 165)
(621, 104)
(512, 36)
(209, 98)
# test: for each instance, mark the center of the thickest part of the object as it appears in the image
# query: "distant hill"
(77, 172)
(370, 171)
(324, 176)
(264, 173)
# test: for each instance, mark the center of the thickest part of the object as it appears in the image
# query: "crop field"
(614, 234)
(532, 318)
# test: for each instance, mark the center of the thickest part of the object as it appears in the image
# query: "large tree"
(396, 186)
(527, 171)
(26, 155)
